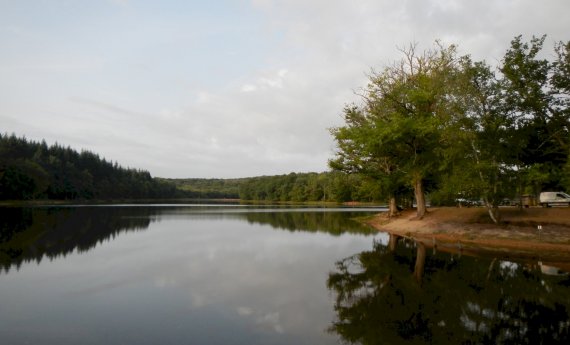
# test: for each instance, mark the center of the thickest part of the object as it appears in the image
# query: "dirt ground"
(468, 229)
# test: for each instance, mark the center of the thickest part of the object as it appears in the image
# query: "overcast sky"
(224, 88)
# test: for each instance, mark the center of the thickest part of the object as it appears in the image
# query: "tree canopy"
(32, 170)
(446, 125)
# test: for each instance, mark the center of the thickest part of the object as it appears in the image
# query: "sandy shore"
(470, 229)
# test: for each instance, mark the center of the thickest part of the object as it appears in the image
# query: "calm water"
(244, 275)
(171, 275)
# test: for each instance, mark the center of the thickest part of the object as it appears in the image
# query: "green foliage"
(397, 136)
(459, 129)
(203, 188)
(31, 170)
(302, 187)
(293, 187)
(536, 90)
(566, 175)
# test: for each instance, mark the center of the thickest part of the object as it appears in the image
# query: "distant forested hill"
(33, 170)
(208, 188)
(296, 187)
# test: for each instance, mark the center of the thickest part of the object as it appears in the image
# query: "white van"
(548, 199)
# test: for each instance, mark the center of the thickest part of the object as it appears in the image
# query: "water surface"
(171, 275)
(175, 274)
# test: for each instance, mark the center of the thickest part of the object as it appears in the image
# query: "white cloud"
(248, 88)
(270, 116)
(268, 80)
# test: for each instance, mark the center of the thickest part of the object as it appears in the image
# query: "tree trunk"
(493, 212)
(392, 242)
(392, 207)
(420, 197)
(420, 262)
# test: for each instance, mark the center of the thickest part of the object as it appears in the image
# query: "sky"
(231, 88)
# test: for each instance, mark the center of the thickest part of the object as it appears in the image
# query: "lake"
(232, 274)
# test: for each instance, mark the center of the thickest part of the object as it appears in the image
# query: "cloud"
(270, 320)
(121, 3)
(248, 87)
(244, 311)
(163, 98)
(275, 80)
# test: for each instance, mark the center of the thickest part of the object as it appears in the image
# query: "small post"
(539, 229)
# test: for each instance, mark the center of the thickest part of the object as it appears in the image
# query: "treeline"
(302, 187)
(208, 188)
(34, 170)
(293, 187)
(449, 127)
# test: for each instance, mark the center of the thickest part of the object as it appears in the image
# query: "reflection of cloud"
(197, 300)
(269, 281)
(165, 282)
(244, 311)
(508, 268)
(271, 320)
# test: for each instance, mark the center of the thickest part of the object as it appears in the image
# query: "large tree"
(537, 91)
(398, 133)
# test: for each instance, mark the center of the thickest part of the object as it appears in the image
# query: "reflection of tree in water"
(32, 233)
(335, 223)
(468, 300)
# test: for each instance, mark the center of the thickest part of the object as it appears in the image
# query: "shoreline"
(58, 202)
(470, 231)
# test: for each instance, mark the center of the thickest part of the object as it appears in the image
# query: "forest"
(292, 187)
(35, 171)
(447, 127)
(32, 170)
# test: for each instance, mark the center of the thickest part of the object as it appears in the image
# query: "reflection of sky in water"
(185, 279)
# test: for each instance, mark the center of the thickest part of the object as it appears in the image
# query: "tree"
(398, 134)
(538, 92)
(359, 153)
(487, 147)
(460, 128)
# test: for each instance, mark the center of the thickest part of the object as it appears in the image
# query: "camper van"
(548, 199)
